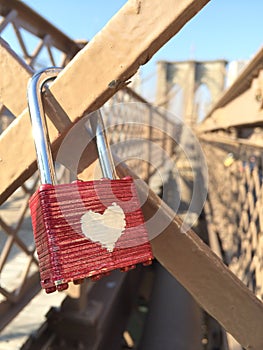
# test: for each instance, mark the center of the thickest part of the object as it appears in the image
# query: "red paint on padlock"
(87, 228)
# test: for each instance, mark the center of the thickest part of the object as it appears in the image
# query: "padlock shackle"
(103, 147)
(41, 136)
(39, 123)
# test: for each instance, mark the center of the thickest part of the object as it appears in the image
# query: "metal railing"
(38, 44)
(130, 142)
(130, 121)
(34, 38)
(235, 205)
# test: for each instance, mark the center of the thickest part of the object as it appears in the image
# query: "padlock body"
(87, 229)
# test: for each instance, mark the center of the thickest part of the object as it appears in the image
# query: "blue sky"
(224, 29)
(229, 29)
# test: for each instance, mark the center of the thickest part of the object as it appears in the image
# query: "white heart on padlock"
(104, 228)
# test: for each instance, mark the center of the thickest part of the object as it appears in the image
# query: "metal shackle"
(41, 136)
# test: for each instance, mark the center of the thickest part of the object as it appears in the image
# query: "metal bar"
(143, 100)
(37, 25)
(25, 275)
(14, 80)
(45, 42)
(31, 59)
(99, 60)
(242, 101)
(203, 274)
(4, 253)
(50, 54)
(213, 238)
(14, 239)
(236, 142)
(103, 147)
(20, 39)
(11, 309)
(174, 319)
(9, 296)
(8, 19)
(244, 111)
(242, 83)
(39, 124)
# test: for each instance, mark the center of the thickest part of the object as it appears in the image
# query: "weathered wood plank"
(129, 40)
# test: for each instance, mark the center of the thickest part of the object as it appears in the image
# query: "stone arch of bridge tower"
(190, 75)
(202, 102)
(175, 101)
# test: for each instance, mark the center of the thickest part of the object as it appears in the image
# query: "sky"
(228, 29)
(223, 29)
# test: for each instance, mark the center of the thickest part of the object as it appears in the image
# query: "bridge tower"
(189, 76)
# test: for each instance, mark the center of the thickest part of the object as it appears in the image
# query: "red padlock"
(86, 228)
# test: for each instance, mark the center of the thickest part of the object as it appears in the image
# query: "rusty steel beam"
(37, 25)
(128, 41)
